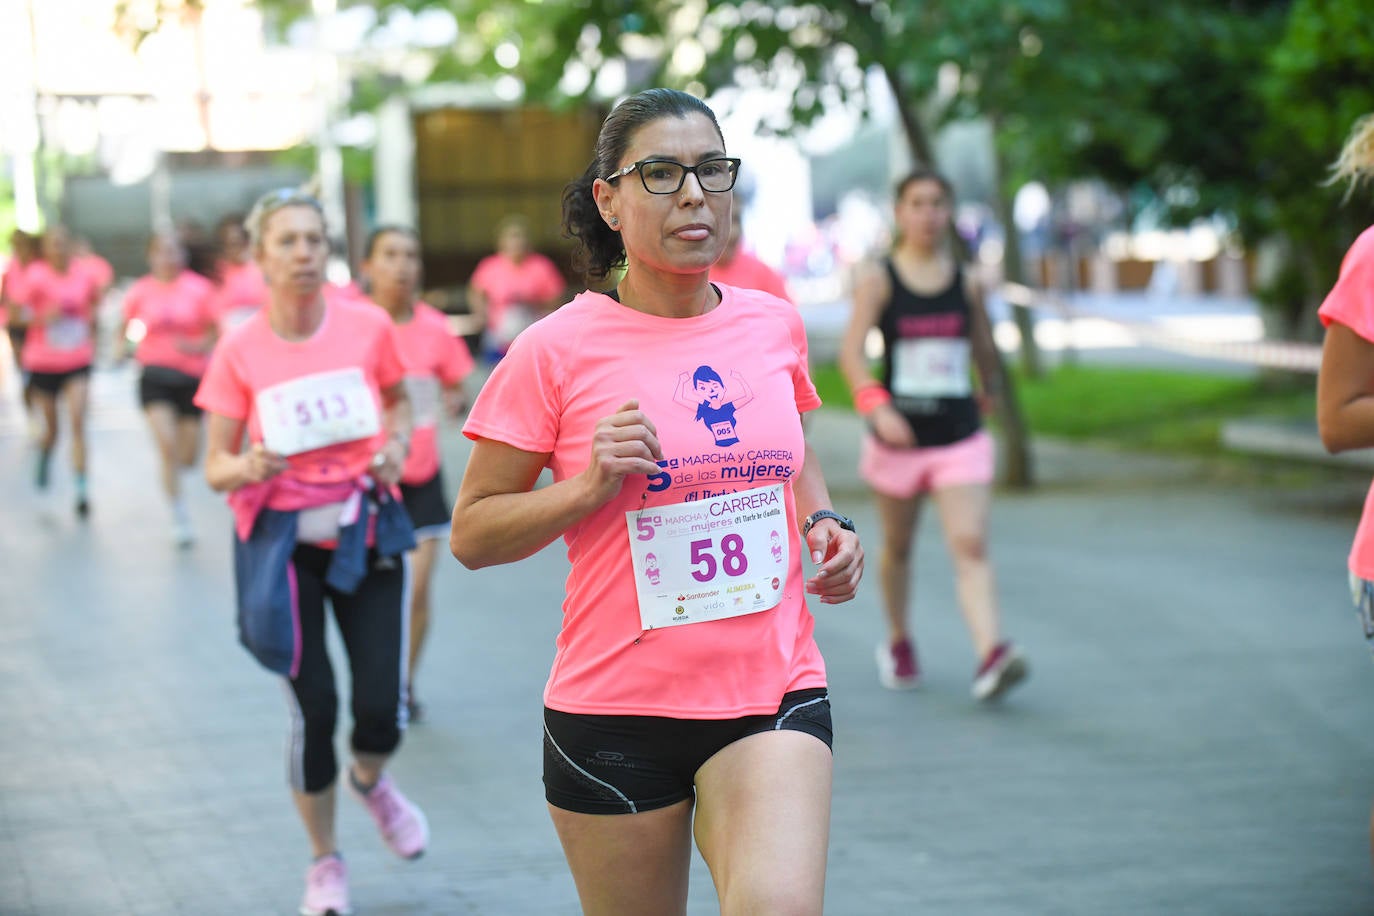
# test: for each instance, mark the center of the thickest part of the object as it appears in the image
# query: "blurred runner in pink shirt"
(239, 288)
(436, 363)
(59, 350)
(513, 288)
(173, 308)
(738, 267)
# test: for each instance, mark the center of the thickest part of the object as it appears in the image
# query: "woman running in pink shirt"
(1345, 385)
(318, 390)
(59, 350)
(173, 307)
(688, 696)
(436, 363)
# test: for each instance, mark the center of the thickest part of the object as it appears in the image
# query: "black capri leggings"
(373, 623)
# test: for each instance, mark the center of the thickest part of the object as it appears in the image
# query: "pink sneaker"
(897, 667)
(326, 888)
(1002, 670)
(402, 825)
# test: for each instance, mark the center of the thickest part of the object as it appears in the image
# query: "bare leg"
(77, 394)
(765, 838)
(367, 768)
(46, 404)
(187, 442)
(317, 814)
(162, 421)
(964, 515)
(600, 847)
(898, 518)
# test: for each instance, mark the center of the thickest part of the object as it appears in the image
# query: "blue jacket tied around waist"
(268, 610)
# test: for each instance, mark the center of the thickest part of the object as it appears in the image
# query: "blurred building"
(115, 133)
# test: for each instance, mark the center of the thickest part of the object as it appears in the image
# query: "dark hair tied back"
(600, 250)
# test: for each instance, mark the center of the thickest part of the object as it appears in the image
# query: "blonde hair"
(1356, 161)
(270, 203)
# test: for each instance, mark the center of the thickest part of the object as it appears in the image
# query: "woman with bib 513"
(318, 389)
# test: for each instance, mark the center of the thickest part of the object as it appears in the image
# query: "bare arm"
(226, 468)
(834, 550)
(872, 289)
(455, 400)
(871, 292)
(477, 304)
(498, 516)
(391, 458)
(1345, 403)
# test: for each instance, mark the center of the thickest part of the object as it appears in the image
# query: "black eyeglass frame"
(733, 166)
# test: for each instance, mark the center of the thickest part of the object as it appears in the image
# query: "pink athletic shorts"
(905, 472)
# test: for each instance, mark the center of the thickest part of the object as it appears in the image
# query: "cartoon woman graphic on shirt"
(705, 393)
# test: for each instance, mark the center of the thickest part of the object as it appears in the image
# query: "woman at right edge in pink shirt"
(687, 697)
(1345, 385)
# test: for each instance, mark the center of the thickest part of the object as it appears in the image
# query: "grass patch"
(1154, 409)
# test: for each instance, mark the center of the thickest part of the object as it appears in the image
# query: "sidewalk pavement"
(1196, 735)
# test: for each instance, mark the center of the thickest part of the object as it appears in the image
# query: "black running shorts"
(430, 512)
(628, 764)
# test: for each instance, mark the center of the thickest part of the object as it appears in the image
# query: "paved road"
(1196, 737)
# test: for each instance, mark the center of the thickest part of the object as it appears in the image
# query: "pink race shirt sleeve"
(1351, 300)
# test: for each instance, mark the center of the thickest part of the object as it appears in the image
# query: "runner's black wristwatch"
(814, 517)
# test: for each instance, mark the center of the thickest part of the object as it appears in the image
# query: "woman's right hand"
(258, 464)
(891, 428)
(625, 443)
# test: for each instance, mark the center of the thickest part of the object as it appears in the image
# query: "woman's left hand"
(841, 560)
(387, 463)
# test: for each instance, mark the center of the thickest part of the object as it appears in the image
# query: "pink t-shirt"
(175, 314)
(98, 268)
(241, 291)
(533, 282)
(749, 272)
(65, 342)
(253, 358)
(1351, 303)
(433, 358)
(579, 365)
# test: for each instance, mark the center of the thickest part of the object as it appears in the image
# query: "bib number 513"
(732, 559)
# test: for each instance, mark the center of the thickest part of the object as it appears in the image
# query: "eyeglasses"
(664, 176)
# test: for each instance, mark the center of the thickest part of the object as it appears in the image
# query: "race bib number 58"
(709, 559)
(317, 410)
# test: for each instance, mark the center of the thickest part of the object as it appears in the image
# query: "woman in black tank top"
(924, 429)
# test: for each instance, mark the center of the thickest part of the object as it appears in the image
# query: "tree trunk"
(1014, 271)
